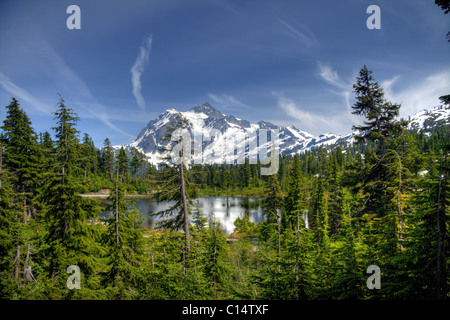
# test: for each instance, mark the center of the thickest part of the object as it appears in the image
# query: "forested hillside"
(329, 215)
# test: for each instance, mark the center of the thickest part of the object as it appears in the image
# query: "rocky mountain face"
(427, 119)
(205, 121)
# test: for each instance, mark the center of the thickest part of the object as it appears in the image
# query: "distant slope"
(203, 118)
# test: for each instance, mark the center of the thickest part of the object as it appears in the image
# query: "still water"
(226, 209)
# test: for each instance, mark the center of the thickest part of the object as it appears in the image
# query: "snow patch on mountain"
(204, 119)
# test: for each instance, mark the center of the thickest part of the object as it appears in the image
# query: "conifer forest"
(363, 222)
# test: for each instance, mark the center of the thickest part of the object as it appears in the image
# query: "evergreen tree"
(69, 239)
(21, 157)
(137, 162)
(428, 238)
(20, 163)
(272, 209)
(88, 156)
(175, 184)
(350, 280)
(293, 203)
(124, 242)
(216, 267)
(198, 218)
(122, 163)
(296, 262)
(318, 218)
(335, 217)
(379, 113)
(11, 236)
(47, 150)
(322, 273)
(108, 158)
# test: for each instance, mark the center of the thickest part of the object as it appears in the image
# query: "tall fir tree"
(318, 217)
(122, 163)
(21, 157)
(272, 209)
(88, 156)
(68, 239)
(216, 268)
(427, 240)
(47, 150)
(293, 204)
(11, 239)
(124, 242)
(175, 183)
(20, 162)
(107, 159)
(380, 114)
(137, 162)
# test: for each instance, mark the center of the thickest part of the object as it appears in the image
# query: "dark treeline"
(330, 214)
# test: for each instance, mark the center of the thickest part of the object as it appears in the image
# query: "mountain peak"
(207, 109)
(204, 117)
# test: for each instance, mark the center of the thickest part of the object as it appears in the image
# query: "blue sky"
(288, 62)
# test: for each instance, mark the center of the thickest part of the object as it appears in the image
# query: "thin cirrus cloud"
(22, 94)
(138, 69)
(331, 76)
(302, 33)
(424, 94)
(344, 88)
(82, 95)
(306, 120)
(227, 101)
(66, 82)
(310, 121)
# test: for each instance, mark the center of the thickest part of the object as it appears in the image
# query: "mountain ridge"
(202, 119)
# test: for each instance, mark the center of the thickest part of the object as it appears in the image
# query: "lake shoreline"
(225, 209)
(147, 196)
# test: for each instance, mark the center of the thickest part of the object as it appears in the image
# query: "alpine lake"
(225, 209)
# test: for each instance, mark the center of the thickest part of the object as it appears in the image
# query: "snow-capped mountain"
(203, 119)
(427, 119)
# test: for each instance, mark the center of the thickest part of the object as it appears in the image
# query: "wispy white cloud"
(424, 94)
(331, 76)
(343, 88)
(138, 68)
(74, 89)
(227, 101)
(310, 121)
(21, 94)
(300, 32)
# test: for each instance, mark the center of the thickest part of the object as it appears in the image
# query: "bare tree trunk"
(27, 258)
(185, 209)
(215, 250)
(184, 266)
(279, 244)
(296, 256)
(399, 204)
(441, 277)
(153, 254)
(17, 261)
(25, 211)
(33, 213)
(117, 214)
(1, 157)
(27, 273)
